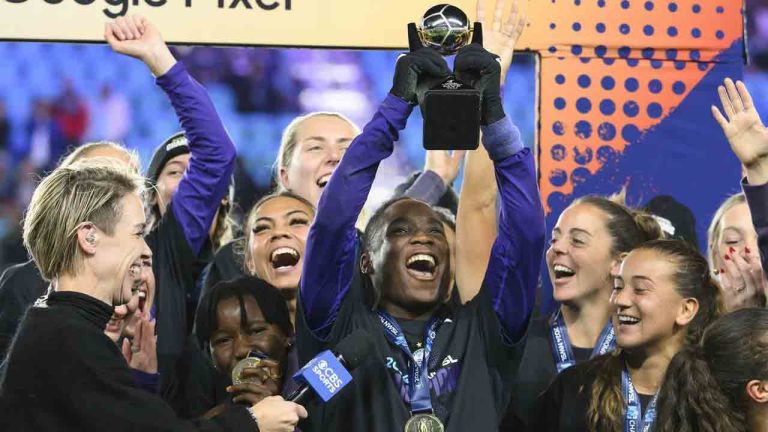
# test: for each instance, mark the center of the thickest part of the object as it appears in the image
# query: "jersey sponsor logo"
(449, 360)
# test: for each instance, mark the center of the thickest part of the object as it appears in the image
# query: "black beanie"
(675, 219)
(175, 145)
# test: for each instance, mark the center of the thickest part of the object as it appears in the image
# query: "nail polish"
(746, 249)
(731, 250)
(727, 258)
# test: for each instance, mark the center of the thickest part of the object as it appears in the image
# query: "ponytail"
(691, 399)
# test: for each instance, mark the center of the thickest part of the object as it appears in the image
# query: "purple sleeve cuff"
(501, 139)
(146, 381)
(207, 178)
(757, 199)
(428, 187)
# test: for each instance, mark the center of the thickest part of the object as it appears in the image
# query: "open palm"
(741, 123)
(498, 38)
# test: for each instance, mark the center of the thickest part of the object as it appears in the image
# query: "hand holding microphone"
(275, 414)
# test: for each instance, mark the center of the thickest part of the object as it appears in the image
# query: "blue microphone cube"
(324, 374)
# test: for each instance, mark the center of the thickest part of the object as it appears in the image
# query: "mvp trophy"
(451, 108)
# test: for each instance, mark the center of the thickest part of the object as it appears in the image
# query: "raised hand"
(744, 130)
(411, 68)
(743, 281)
(137, 37)
(499, 38)
(445, 164)
(141, 352)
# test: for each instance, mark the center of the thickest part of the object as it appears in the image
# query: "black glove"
(481, 69)
(416, 66)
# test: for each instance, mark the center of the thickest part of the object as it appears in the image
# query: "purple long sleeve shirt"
(207, 178)
(757, 200)
(513, 269)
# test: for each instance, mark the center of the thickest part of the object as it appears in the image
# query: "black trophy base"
(451, 114)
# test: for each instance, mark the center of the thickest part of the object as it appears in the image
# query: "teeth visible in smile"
(626, 319)
(284, 250)
(420, 257)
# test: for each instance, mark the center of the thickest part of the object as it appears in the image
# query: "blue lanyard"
(634, 420)
(561, 344)
(418, 383)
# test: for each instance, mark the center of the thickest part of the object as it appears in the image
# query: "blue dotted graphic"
(552, 49)
(679, 65)
(585, 60)
(558, 177)
(702, 66)
(609, 61)
(600, 27)
(606, 154)
(584, 105)
(656, 64)
(672, 31)
(558, 128)
(584, 81)
(576, 26)
(631, 85)
(654, 110)
(655, 86)
(625, 4)
(558, 152)
(579, 176)
(624, 29)
(576, 50)
(601, 3)
(631, 109)
(678, 87)
(601, 50)
(560, 79)
(583, 129)
(673, 7)
(607, 107)
(648, 30)
(719, 34)
(552, 26)
(633, 62)
(624, 52)
(648, 53)
(582, 157)
(671, 54)
(630, 133)
(649, 5)
(606, 131)
(608, 83)
(696, 8)
(559, 103)
(695, 55)
(696, 33)
(720, 9)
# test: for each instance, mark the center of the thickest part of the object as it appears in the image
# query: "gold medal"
(248, 362)
(424, 423)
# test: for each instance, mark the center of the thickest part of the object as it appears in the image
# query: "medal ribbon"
(561, 344)
(634, 420)
(418, 383)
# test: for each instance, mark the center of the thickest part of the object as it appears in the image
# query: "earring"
(91, 238)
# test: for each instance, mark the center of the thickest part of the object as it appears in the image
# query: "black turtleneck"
(63, 373)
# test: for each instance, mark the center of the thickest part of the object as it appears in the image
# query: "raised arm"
(476, 219)
(748, 138)
(513, 268)
(329, 260)
(206, 180)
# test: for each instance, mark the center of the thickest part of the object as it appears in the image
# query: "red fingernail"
(746, 249)
(731, 250)
(727, 258)
(722, 270)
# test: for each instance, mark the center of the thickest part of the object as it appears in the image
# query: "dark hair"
(376, 221)
(271, 303)
(244, 249)
(627, 227)
(692, 279)
(703, 389)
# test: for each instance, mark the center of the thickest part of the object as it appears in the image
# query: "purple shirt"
(207, 178)
(757, 200)
(513, 270)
